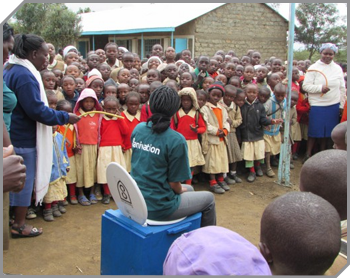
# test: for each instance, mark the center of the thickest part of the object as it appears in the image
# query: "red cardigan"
(131, 122)
(184, 122)
(112, 132)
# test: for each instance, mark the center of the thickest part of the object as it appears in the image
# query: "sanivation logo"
(145, 147)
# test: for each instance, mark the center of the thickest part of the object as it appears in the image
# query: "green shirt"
(158, 159)
(9, 103)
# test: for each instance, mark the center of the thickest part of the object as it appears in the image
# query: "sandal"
(93, 199)
(83, 201)
(17, 232)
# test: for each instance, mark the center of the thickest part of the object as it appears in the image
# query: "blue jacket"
(73, 100)
(29, 109)
(60, 160)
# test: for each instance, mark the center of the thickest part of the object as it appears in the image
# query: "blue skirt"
(23, 198)
(322, 120)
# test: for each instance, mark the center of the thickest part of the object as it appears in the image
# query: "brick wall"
(241, 26)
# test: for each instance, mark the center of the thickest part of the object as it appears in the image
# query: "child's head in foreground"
(300, 234)
(338, 136)
(214, 250)
(325, 174)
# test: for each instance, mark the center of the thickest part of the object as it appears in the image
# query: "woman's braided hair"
(163, 102)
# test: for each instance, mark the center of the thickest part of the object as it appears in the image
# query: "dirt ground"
(71, 244)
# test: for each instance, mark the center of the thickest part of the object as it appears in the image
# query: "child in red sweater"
(87, 138)
(132, 118)
(303, 108)
(189, 122)
(112, 133)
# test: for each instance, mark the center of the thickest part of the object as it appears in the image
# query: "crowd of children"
(232, 111)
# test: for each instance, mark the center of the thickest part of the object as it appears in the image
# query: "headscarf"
(178, 63)
(161, 67)
(189, 91)
(92, 78)
(123, 48)
(94, 72)
(69, 48)
(214, 250)
(330, 46)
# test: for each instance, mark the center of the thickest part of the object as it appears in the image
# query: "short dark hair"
(68, 76)
(109, 44)
(7, 31)
(111, 98)
(324, 174)
(302, 232)
(132, 94)
(61, 103)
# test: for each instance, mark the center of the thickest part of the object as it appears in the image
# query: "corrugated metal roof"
(143, 17)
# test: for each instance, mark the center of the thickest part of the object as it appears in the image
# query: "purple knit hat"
(214, 250)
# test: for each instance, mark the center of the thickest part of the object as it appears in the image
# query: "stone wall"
(240, 27)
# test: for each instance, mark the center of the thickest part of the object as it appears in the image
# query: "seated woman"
(159, 163)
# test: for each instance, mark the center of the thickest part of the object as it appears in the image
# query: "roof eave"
(129, 31)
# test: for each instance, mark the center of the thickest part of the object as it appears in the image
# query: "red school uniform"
(131, 121)
(145, 112)
(185, 120)
(112, 132)
(303, 108)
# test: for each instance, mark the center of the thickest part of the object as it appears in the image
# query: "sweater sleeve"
(212, 130)
(263, 119)
(201, 125)
(225, 125)
(238, 118)
(28, 96)
(308, 84)
(124, 128)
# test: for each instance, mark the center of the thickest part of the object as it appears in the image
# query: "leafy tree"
(340, 57)
(54, 22)
(318, 24)
(84, 10)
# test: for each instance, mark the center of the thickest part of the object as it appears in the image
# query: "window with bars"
(148, 43)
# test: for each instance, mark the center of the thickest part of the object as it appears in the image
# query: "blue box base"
(128, 248)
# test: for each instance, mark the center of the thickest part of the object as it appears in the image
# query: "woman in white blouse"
(324, 83)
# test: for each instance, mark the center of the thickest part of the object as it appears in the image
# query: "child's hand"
(67, 169)
(221, 133)
(78, 149)
(194, 128)
(276, 121)
(229, 121)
